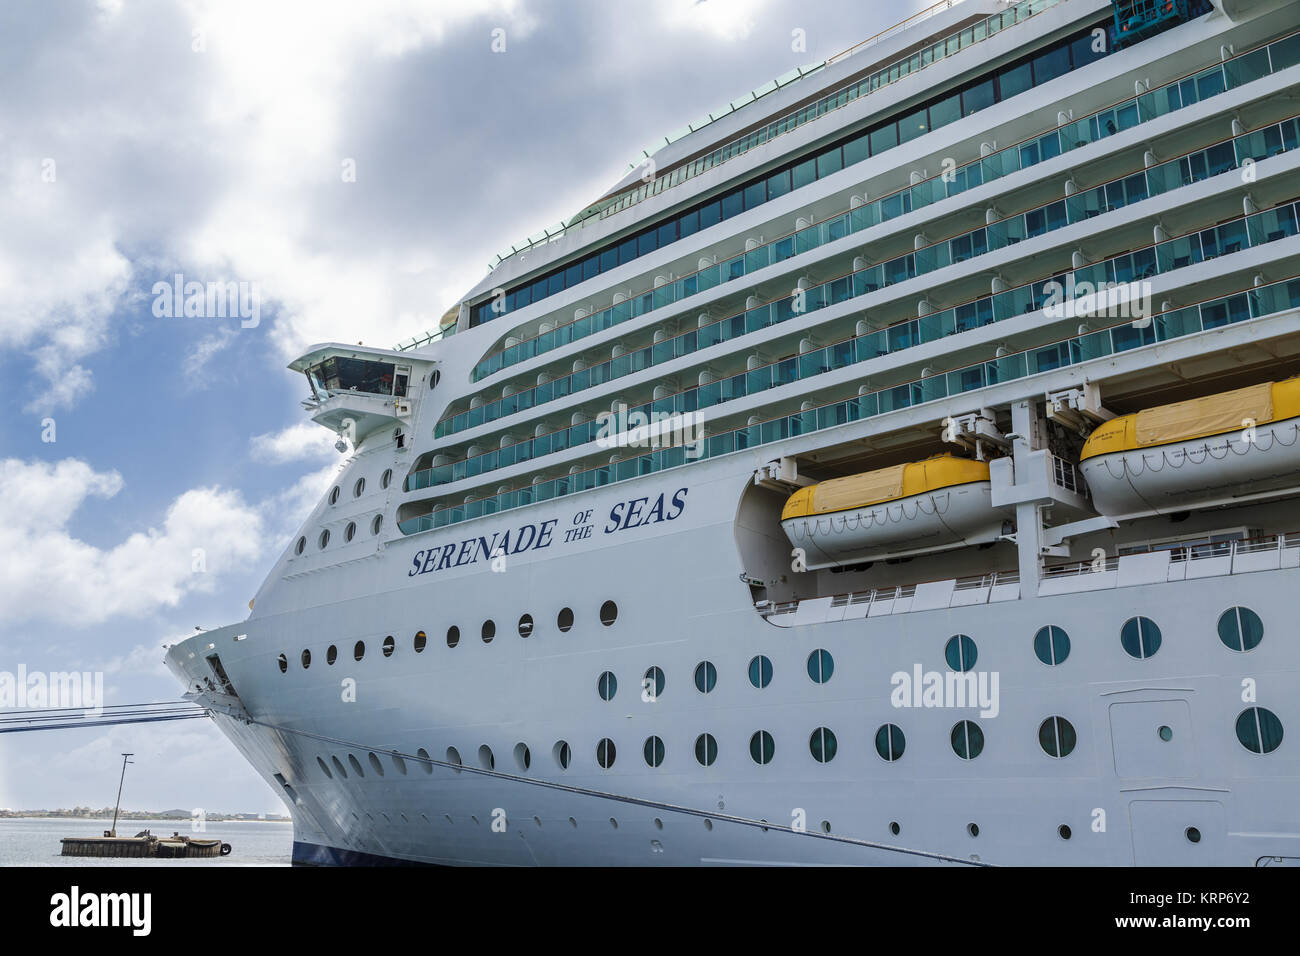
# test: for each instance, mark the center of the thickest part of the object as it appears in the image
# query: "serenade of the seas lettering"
(633, 513)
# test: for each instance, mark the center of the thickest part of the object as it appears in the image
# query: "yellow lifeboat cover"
(1198, 418)
(884, 484)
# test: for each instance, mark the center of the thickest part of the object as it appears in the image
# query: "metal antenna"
(125, 761)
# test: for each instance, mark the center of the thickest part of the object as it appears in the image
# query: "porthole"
(706, 749)
(760, 671)
(960, 653)
(822, 745)
(453, 636)
(973, 829)
(485, 758)
(894, 828)
(762, 747)
(358, 650)
(564, 620)
(608, 613)
(613, 823)
(434, 377)
(820, 666)
(374, 762)
(652, 685)
(826, 826)
(1193, 835)
(890, 742)
(654, 751)
(306, 659)
(331, 654)
(325, 768)
(390, 645)
(386, 478)
(324, 539)
(453, 758)
(301, 545)
(339, 767)
(1165, 733)
(659, 824)
(525, 625)
(426, 762)
(708, 825)
(1259, 730)
(358, 488)
(523, 756)
(350, 531)
(284, 664)
(706, 677)
(376, 523)
(488, 631)
(356, 765)
(562, 754)
(1051, 645)
(334, 495)
(421, 639)
(605, 753)
(1064, 831)
(1056, 736)
(1240, 629)
(607, 685)
(1140, 637)
(967, 740)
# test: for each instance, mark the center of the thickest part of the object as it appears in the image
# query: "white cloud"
(305, 441)
(724, 19)
(46, 571)
(203, 352)
(223, 160)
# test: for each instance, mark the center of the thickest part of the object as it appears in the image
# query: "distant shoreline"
(141, 816)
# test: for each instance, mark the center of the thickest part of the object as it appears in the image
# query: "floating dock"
(144, 844)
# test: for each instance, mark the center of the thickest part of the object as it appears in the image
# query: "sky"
(358, 164)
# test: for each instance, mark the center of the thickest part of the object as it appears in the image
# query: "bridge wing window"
(340, 374)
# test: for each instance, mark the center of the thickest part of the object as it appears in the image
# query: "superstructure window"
(607, 685)
(822, 744)
(706, 677)
(654, 751)
(890, 742)
(339, 374)
(945, 107)
(1240, 629)
(1259, 730)
(967, 740)
(706, 749)
(1140, 637)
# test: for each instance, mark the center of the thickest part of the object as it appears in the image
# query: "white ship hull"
(925, 709)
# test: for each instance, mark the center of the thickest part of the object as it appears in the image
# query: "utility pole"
(125, 761)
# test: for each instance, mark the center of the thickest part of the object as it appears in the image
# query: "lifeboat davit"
(1210, 450)
(932, 505)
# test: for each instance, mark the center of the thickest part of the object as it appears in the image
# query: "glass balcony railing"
(1180, 252)
(883, 77)
(1107, 197)
(1138, 109)
(1177, 323)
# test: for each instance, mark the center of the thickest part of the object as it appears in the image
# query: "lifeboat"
(1210, 450)
(932, 505)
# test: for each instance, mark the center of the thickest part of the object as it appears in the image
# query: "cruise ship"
(898, 466)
